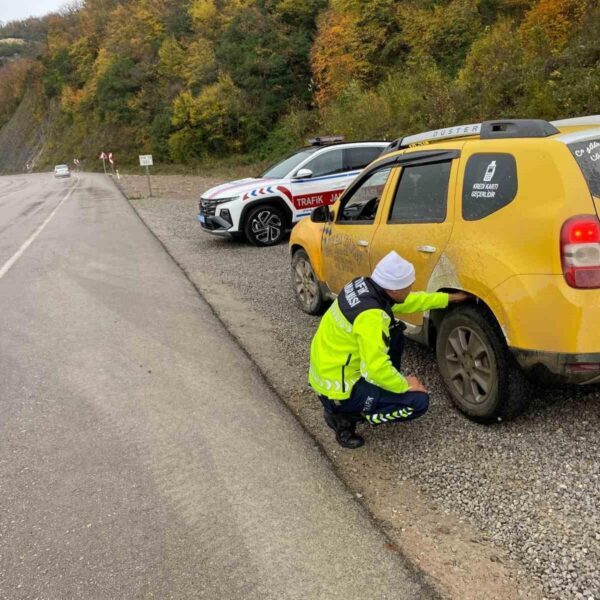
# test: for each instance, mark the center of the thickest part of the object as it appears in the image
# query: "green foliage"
(210, 122)
(33, 29)
(115, 89)
(15, 78)
(267, 59)
(200, 66)
(185, 145)
(176, 18)
(443, 32)
(492, 80)
(291, 132)
(160, 132)
(405, 102)
(573, 87)
(59, 70)
(198, 80)
(10, 48)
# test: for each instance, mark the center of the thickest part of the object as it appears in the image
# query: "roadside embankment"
(507, 511)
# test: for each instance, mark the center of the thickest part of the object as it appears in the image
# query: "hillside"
(21, 139)
(191, 79)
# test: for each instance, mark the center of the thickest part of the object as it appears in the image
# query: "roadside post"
(111, 160)
(103, 158)
(146, 161)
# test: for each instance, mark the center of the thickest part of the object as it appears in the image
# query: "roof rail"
(590, 120)
(393, 146)
(515, 128)
(440, 134)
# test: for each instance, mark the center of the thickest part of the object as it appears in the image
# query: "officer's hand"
(415, 384)
(458, 297)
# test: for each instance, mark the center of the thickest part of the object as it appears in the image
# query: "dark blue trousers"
(376, 405)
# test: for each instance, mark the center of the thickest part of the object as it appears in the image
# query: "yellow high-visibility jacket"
(352, 340)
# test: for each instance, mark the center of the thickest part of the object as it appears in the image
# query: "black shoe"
(345, 430)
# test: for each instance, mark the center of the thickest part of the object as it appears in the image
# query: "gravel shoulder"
(508, 511)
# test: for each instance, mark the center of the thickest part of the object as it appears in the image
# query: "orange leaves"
(337, 56)
(550, 24)
(70, 100)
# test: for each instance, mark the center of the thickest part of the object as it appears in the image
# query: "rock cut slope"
(22, 138)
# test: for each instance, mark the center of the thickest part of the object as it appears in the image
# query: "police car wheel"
(307, 288)
(265, 226)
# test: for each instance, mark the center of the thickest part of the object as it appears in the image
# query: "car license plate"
(202, 219)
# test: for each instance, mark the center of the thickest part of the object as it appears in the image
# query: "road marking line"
(15, 257)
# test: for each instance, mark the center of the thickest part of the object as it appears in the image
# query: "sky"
(12, 10)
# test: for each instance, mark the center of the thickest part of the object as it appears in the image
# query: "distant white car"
(263, 208)
(62, 171)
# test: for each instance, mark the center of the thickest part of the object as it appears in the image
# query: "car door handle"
(362, 243)
(427, 249)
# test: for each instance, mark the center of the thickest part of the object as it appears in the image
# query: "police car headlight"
(223, 200)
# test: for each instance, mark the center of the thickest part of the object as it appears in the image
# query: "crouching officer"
(355, 355)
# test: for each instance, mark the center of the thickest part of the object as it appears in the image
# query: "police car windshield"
(281, 169)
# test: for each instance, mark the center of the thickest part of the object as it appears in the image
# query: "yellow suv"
(504, 210)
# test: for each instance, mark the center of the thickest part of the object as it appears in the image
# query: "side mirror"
(303, 174)
(321, 214)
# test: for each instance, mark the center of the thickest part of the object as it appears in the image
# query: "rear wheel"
(477, 367)
(264, 226)
(307, 288)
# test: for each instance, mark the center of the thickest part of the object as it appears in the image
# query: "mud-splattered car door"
(347, 241)
(420, 217)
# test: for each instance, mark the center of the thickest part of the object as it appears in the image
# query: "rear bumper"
(581, 369)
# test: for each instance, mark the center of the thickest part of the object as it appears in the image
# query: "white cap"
(393, 272)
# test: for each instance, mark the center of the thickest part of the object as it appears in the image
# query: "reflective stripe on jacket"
(352, 340)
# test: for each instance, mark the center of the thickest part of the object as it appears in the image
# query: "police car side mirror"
(321, 214)
(303, 174)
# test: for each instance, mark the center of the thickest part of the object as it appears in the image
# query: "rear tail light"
(580, 252)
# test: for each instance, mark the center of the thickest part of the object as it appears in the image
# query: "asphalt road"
(141, 456)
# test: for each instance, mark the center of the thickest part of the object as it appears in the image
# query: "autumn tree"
(491, 82)
(338, 56)
(208, 123)
(14, 77)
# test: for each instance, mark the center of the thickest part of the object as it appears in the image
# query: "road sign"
(110, 158)
(146, 161)
(103, 156)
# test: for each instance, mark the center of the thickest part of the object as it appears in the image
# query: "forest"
(189, 80)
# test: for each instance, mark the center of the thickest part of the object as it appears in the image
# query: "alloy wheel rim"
(306, 283)
(470, 365)
(266, 226)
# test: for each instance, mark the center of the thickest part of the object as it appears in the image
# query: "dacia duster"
(504, 210)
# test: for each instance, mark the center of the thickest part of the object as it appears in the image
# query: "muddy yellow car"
(504, 210)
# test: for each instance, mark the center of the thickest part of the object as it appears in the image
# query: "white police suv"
(262, 209)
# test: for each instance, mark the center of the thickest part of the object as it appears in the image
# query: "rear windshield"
(587, 155)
